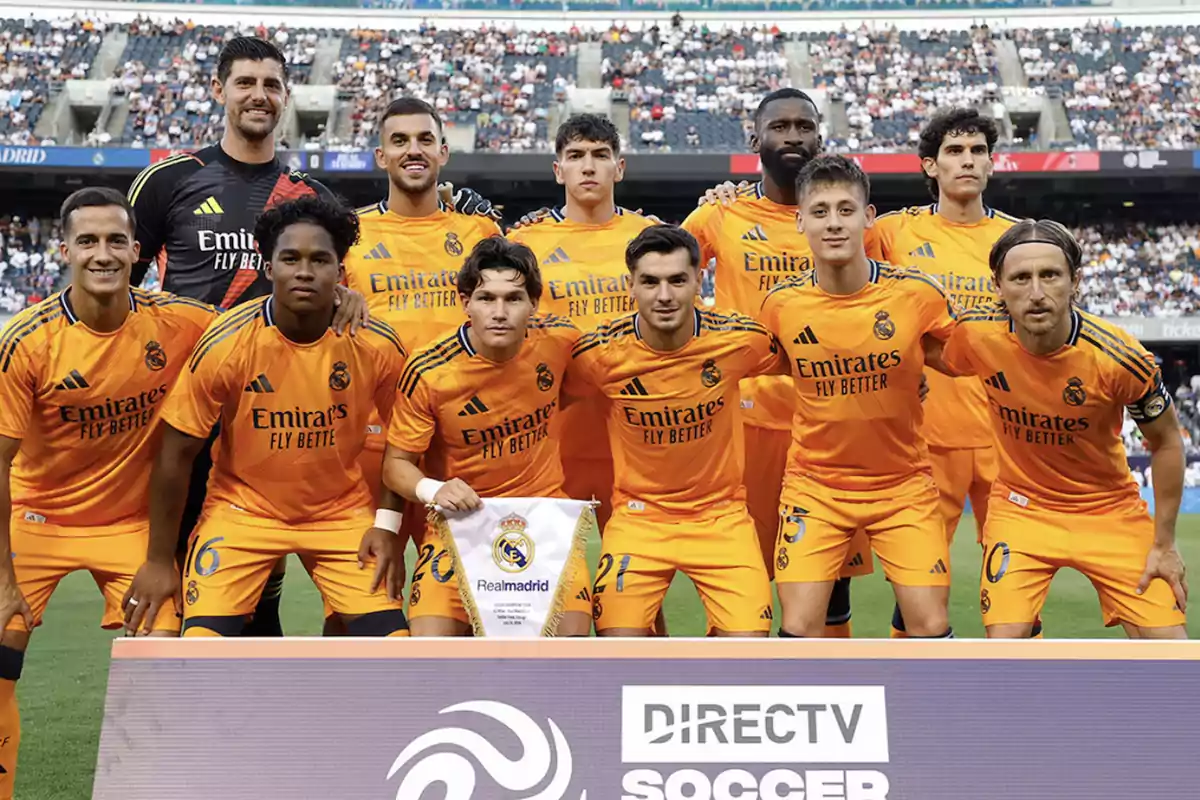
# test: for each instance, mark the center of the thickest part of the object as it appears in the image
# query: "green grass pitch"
(62, 691)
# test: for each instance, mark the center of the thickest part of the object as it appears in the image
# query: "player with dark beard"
(751, 233)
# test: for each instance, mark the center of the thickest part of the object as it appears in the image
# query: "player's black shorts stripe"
(1140, 375)
(243, 320)
(384, 330)
(9, 348)
(428, 366)
(443, 350)
(1117, 345)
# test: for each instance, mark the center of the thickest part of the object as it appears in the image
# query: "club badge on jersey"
(515, 558)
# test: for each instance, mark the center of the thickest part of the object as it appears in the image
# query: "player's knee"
(1020, 630)
(574, 623)
(12, 661)
(838, 612)
(1170, 632)
(438, 626)
(214, 626)
(377, 623)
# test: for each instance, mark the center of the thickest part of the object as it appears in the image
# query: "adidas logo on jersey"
(939, 568)
(806, 337)
(924, 251)
(260, 385)
(377, 252)
(635, 389)
(73, 381)
(559, 256)
(208, 208)
(755, 234)
(998, 381)
(475, 406)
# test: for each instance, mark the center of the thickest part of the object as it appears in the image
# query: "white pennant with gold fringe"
(516, 559)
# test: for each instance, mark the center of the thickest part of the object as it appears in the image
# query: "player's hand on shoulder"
(456, 495)
(1166, 563)
(468, 202)
(382, 548)
(155, 583)
(351, 311)
(724, 194)
(533, 217)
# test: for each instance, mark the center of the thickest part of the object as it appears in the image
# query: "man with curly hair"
(292, 399)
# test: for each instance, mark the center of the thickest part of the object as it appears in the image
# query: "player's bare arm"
(383, 544)
(12, 602)
(158, 580)
(402, 475)
(1167, 465)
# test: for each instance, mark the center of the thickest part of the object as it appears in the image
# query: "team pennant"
(516, 559)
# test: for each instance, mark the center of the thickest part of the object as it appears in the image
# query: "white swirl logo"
(457, 773)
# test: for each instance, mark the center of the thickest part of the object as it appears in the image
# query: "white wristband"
(427, 488)
(388, 519)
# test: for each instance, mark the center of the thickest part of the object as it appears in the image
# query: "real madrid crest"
(453, 246)
(512, 549)
(339, 378)
(156, 357)
(545, 378)
(884, 327)
(710, 373)
(1155, 406)
(1074, 395)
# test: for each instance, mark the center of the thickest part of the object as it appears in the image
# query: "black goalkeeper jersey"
(195, 219)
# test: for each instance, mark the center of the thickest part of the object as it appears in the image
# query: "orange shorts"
(435, 592)
(960, 474)
(718, 551)
(817, 526)
(44, 554)
(231, 555)
(1025, 547)
(766, 459)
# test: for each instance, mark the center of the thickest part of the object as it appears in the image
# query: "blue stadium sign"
(94, 157)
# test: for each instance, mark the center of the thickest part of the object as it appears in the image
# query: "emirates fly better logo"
(716, 727)
(544, 758)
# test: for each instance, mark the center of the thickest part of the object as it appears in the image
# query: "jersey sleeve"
(764, 355)
(414, 416)
(938, 309)
(702, 223)
(1139, 384)
(879, 237)
(18, 383)
(959, 350)
(392, 358)
(194, 404)
(150, 195)
(769, 314)
(191, 317)
(584, 370)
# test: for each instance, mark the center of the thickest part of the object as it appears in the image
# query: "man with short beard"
(756, 245)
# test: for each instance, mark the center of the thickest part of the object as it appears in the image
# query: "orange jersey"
(483, 422)
(85, 405)
(585, 280)
(856, 364)
(407, 268)
(674, 422)
(293, 416)
(1057, 418)
(756, 245)
(956, 414)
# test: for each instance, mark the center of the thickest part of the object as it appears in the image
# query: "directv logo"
(724, 726)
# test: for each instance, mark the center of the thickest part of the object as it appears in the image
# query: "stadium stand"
(38, 55)
(502, 81)
(1124, 87)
